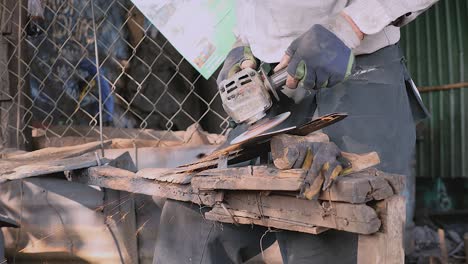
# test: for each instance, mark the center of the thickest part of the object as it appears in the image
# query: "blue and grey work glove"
(237, 59)
(322, 56)
(324, 163)
(322, 160)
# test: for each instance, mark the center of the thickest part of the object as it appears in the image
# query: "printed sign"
(202, 31)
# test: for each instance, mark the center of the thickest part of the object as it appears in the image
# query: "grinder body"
(246, 96)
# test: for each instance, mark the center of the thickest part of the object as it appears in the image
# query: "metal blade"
(261, 127)
(318, 124)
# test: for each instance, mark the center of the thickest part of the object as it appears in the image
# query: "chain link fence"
(53, 65)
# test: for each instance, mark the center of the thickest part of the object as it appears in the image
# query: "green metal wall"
(436, 48)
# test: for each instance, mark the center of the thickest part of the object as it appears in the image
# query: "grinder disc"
(261, 127)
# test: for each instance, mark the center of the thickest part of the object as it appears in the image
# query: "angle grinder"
(247, 96)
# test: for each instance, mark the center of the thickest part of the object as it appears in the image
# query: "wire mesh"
(49, 79)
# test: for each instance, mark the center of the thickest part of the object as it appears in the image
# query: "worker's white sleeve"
(371, 16)
(240, 9)
(240, 43)
(408, 18)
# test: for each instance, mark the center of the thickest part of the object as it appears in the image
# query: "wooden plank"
(10, 152)
(249, 178)
(360, 162)
(108, 171)
(244, 218)
(385, 246)
(165, 175)
(59, 152)
(41, 142)
(354, 188)
(110, 132)
(119, 179)
(396, 181)
(25, 164)
(360, 218)
(362, 187)
(52, 166)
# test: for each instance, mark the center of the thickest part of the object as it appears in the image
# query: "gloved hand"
(322, 56)
(323, 162)
(238, 59)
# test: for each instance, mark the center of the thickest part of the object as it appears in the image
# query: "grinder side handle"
(275, 81)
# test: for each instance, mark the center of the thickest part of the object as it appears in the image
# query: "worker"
(341, 56)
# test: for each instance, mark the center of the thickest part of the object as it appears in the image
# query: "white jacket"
(269, 26)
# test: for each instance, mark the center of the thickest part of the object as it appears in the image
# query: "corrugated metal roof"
(436, 47)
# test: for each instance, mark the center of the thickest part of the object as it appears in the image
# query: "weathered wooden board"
(249, 178)
(52, 166)
(359, 187)
(117, 143)
(244, 218)
(364, 186)
(106, 172)
(385, 246)
(165, 175)
(110, 132)
(357, 218)
(46, 156)
(119, 179)
(361, 162)
(59, 152)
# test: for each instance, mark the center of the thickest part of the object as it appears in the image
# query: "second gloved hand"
(324, 163)
(238, 59)
(322, 56)
(314, 153)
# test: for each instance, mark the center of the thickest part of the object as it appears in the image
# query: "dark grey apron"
(382, 108)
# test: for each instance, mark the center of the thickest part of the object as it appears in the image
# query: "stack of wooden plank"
(365, 202)
(261, 195)
(267, 196)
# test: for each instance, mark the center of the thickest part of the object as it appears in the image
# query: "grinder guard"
(246, 95)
